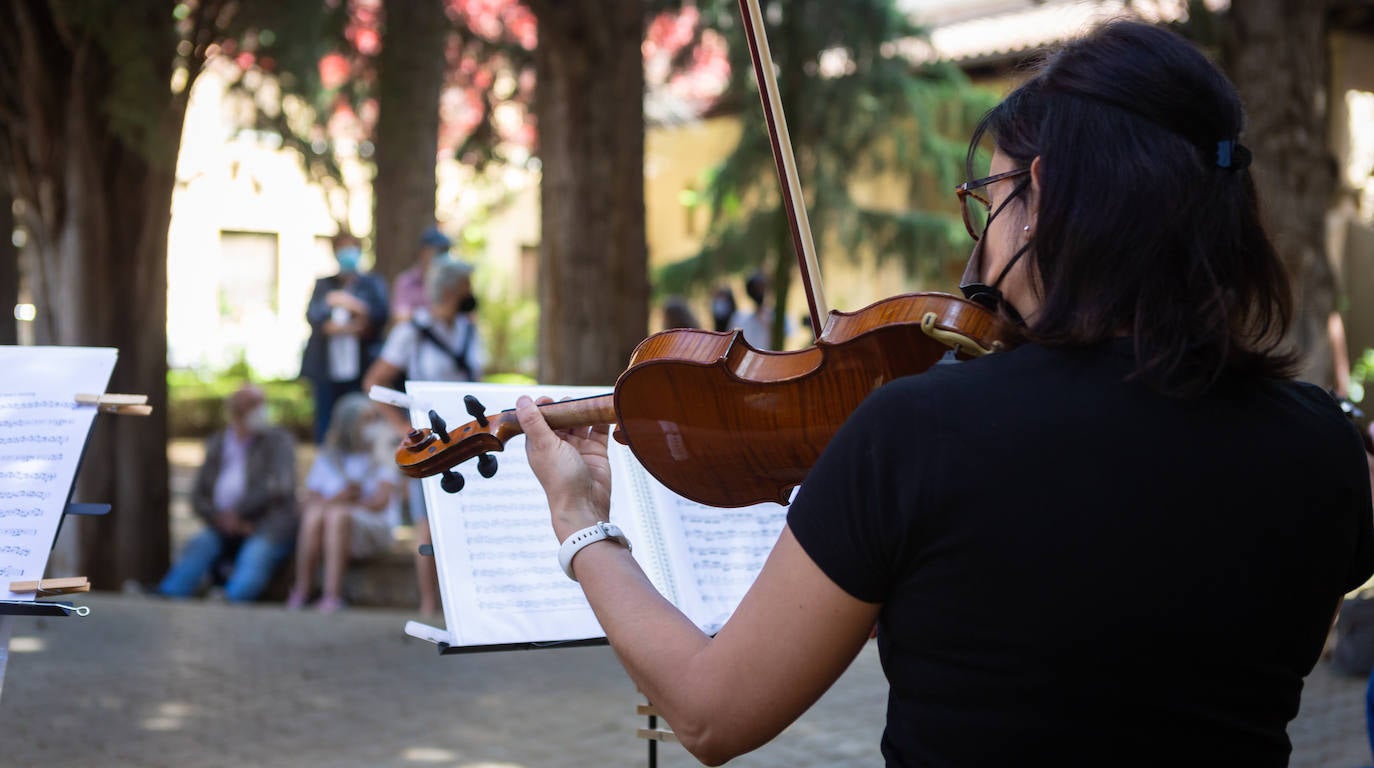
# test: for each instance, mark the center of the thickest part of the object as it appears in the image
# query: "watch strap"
(589, 535)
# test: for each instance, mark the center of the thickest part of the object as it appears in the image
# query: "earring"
(1026, 228)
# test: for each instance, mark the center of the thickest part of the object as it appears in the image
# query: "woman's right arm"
(389, 366)
(790, 639)
(792, 636)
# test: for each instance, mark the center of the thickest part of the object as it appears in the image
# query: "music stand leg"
(653, 743)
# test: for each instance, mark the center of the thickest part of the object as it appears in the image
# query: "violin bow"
(793, 202)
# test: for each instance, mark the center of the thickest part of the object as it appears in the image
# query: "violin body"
(728, 425)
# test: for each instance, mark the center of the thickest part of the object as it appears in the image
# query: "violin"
(715, 419)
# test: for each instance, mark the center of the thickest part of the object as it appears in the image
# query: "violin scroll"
(435, 451)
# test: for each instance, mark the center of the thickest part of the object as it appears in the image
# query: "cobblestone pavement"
(147, 682)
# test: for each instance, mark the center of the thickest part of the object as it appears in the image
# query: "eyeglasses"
(964, 191)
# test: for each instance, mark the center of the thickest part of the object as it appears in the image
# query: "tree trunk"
(410, 75)
(593, 278)
(1280, 63)
(97, 197)
(9, 266)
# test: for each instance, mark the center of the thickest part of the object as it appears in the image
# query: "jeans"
(1369, 712)
(327, 393)
(257, 559)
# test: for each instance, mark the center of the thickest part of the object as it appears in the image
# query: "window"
(247, 275)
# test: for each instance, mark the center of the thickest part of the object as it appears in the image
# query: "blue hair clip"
(1224, 153)
(1232, 155)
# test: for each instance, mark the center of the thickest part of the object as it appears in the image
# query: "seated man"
(246, 494)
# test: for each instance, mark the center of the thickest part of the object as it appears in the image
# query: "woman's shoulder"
(420, 318)
(370, 282)
(945, 390)
(997, 370)
(1308, 402)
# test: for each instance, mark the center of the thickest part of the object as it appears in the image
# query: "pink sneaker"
(329, 605)
(295, 601)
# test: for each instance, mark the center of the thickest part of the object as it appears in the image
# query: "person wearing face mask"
(245, 492)
(1120, 542)
(347, 312)
(438, 343)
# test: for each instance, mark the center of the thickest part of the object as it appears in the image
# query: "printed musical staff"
(42, 429)
(498, 556)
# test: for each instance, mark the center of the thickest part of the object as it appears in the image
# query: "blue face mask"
(348, 257)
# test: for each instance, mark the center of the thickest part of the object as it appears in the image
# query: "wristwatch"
(589, 535)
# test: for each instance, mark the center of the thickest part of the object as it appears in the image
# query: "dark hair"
(344, 239)
(676, 314)
(756, 287)
(1141, 227)
(722, 308)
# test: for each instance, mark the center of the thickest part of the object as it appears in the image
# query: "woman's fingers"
(537, 430)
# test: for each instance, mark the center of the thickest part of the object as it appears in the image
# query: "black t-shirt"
(1076, 570)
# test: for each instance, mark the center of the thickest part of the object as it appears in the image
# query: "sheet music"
(719, 552)
(42, 435)
(726, 549)
(494, 545)
(497, 554)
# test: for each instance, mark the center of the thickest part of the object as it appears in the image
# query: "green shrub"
(196, 401)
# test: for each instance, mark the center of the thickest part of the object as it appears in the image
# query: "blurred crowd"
(263, 523)
(258, 519)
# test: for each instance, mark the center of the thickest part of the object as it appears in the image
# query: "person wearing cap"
(245, 492)
(408, 290)
(439, 342)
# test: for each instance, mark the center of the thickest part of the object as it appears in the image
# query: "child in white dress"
(349, 509)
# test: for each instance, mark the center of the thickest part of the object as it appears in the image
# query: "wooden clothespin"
(124, 405)
(62, 586)
(655, 732)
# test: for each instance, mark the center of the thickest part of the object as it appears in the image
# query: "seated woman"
(348, 510)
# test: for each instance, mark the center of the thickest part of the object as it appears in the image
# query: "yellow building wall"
(678, 158)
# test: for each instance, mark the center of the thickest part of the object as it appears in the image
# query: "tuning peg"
(452, 482)
(437, 425)
(417, 441)
(476, 410)
(486, 465)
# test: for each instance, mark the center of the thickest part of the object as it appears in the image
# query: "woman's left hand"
(572, 466)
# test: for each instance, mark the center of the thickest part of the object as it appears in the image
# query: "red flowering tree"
(400, 83)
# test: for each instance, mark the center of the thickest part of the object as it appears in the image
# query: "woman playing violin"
(1121, 542)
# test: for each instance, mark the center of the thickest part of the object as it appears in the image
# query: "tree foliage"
(855, 108)
(93, 96)
(316, 81)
